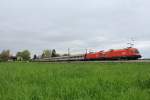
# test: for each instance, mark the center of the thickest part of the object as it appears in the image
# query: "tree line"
(25, 55)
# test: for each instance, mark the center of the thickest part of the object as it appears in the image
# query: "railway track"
(123, 61)
(128, 61)
(117, 61)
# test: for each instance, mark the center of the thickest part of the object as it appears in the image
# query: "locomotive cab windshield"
(136, 51)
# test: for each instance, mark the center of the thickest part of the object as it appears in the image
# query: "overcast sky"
(75, 24)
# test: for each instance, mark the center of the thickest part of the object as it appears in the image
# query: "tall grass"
(75, 81)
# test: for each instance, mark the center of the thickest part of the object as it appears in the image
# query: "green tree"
(5, 55)
(54, 53)
(46, 53)
(35, 56)
(24, 55)
(19, 56)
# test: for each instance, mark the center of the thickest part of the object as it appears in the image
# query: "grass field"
(74, 81)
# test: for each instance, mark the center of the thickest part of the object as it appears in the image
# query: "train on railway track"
(129, 53)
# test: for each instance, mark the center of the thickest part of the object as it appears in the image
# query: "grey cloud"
(76, 24)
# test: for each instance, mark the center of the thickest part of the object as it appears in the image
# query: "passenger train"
(129, 53)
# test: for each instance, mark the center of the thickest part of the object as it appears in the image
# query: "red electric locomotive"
(127, 53)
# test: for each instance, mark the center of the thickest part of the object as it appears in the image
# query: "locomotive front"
(134, 53)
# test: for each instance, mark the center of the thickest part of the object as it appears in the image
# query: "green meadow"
(74, 81)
